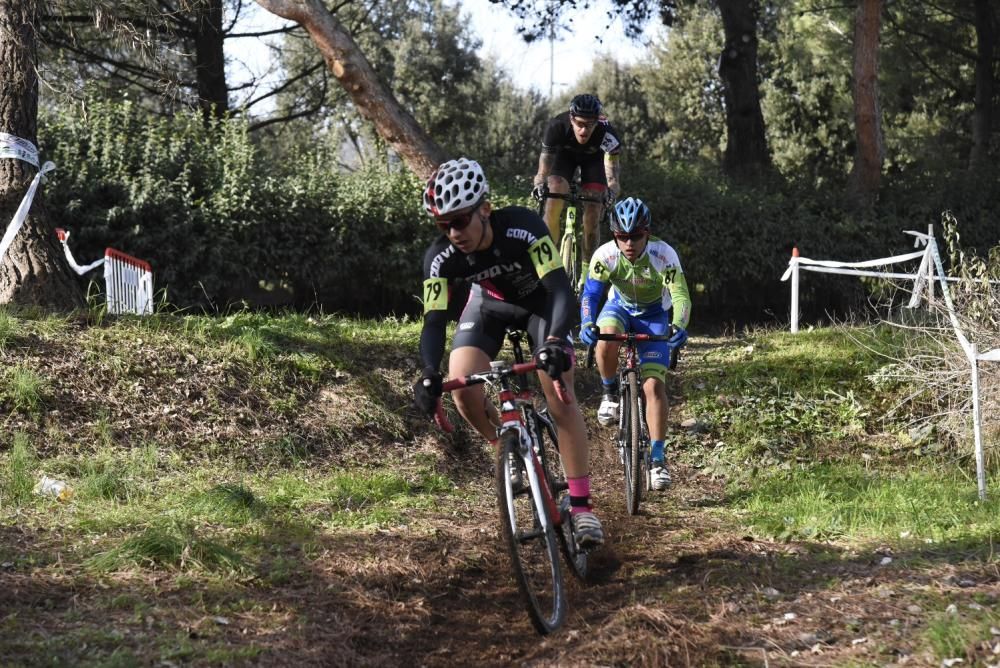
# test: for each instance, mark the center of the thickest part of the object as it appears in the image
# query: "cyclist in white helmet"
(649, 296)
(516, 280)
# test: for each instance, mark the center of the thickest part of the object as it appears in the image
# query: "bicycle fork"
(544, 502)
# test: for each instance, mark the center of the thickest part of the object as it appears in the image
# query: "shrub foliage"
(221, 222)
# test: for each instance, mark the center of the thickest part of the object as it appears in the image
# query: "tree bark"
(33, 272)
(869, 152)
(746, 151)
(982, 116)
(372, 98)
(210, 59)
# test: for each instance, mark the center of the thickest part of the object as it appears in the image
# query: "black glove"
(555, 357)
(427, 391)
(540, 191)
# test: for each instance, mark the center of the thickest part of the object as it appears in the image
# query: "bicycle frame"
(515, 407)
(525, 478)
(572, 236)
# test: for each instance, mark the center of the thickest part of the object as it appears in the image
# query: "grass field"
(256, 489)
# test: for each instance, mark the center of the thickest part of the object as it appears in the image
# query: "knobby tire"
(534, 550)
(632, 444)
(569, 250)
(636, 482)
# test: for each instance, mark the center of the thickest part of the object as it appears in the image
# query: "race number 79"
(544, 256)
(435, 294)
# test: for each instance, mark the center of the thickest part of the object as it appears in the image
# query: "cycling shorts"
(592, 175)
(654, 356)
(484, 322)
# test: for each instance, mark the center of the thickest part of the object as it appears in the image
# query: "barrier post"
(977, 426)
(930, 270)
(795, 289)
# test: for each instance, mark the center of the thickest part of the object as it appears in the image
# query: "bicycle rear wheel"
(532, 543)
(632, 444)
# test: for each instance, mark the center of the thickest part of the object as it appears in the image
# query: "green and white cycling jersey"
(652, 285)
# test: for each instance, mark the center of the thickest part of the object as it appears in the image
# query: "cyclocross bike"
(571, 243)
(532, 493)
(632, 438)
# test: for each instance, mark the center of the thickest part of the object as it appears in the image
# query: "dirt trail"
(682, 583)
(679, 584)
(658, 593)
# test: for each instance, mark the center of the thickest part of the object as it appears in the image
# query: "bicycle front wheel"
(569, 251)
(532, 542)
(633, 446)
(577, 559)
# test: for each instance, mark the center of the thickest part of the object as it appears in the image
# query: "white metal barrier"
(128, 281)
(929, 271)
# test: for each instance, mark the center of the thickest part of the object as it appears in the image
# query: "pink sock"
(579, 494)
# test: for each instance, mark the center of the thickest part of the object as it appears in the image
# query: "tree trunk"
(869, 152)
(210, 59)
(746, 151)
(982, 117)
(33, 271)
(372, 98)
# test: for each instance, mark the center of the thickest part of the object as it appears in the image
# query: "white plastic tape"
(81, 270)
(22, 211)
(17, 148)
(895, 259)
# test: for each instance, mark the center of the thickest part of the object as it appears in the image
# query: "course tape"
(81, 270)
(17, 148)
(895, 259)
(22, 211)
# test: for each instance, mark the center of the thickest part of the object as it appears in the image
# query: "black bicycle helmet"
(585, 105)
(630, 215)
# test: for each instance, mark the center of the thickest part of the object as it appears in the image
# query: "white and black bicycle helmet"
(630, 215)
(456, 184)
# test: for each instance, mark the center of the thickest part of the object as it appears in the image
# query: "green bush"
(222, 224)
(735, 240)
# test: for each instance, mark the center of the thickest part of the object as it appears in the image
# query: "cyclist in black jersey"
(580, 137)
(517, 279)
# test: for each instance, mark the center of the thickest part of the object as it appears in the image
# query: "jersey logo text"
(439, 258)
(523, 235)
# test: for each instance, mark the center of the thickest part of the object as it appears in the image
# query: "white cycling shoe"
(659, 476)
(607, 413)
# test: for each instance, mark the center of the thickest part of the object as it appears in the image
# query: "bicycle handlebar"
(572, 196)
(488, 376)
(629, 337)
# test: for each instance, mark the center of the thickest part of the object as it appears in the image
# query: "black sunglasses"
(625, 236)
(458, 223)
